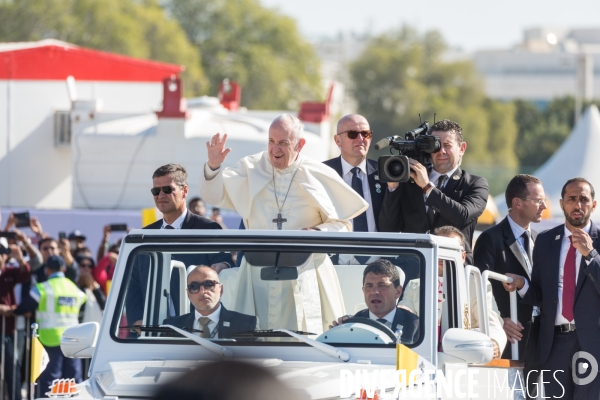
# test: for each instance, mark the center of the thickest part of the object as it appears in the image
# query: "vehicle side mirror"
(79, 341)
(471, 346)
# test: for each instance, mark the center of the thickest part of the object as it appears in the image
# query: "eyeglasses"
(194, 287)
(166, 190)
(86, 265)
(352, 134)
(539, 202)
(48, 248)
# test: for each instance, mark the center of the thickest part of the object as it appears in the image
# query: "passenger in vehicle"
(280, 189)
(411, 298)
(381, 288)
(215, 321)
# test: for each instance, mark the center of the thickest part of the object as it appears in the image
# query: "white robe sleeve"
(211, 188)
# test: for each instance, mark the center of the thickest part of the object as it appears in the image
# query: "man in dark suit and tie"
(382, 289)
(445, 196)
(507, 247)
(170, 191)
(565, 282)
(215, 321)
(354, 138)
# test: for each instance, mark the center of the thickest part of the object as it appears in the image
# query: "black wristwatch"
(591, 255)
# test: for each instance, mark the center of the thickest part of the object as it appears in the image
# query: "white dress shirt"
(178, 222)
(388, 317)
(212, 325)
(433, 178)
(347, 177)
(518, 231)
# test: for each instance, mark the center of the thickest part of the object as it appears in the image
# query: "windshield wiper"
(207, 344)
(267, 333)
(155, 328)
(322, 347)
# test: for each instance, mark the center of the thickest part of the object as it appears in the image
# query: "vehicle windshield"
(261, 289)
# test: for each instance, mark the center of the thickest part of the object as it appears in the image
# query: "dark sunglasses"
(86, 265)
(194, 287)
(166, 190)
(352, 134)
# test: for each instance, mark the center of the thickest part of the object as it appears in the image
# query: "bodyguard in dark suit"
(381, 288)
(354, 138)
(565, 282)
(507, 247)
(446, 196)
(204, 291)
(170, 190)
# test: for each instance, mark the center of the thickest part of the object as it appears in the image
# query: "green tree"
(257, 47)
(136, 28)
(402, 74)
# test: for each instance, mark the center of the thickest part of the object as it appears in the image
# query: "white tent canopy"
(578, 156)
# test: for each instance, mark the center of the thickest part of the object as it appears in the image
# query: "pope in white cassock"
(281, 189)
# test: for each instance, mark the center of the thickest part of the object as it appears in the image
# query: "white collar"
(389, 317)
(347, 167)
(214, 316)
(586, 229)
(517, 229)
(291, 168)
(178, 222)
(433, 177)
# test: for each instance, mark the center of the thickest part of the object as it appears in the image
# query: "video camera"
(418, 144)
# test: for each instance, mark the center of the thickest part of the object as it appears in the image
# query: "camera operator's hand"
(419, 173)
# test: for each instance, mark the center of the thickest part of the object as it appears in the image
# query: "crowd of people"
(556, 272)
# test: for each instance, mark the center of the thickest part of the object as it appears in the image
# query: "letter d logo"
(590, 360)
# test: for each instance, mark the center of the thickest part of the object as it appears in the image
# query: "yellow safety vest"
(58, 309)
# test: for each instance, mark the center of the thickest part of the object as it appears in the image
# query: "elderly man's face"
(284, 147)
(206, 300)
(380, 294)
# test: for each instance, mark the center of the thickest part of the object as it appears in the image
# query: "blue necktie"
(360, 222)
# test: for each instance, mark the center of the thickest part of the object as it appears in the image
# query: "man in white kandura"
(281, 189)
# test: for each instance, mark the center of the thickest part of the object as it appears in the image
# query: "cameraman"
(446, 196)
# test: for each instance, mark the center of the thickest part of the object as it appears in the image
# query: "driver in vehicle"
(215, 321)
(382, 289)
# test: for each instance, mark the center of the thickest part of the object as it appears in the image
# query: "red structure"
(230, 94)
(316, 112)
(55, 60)
(173, 103)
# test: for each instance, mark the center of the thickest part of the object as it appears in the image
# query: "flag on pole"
(406, 360)
(39, 358)
(149, 215)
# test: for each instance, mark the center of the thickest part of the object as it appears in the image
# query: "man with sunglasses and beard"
(170, 190)
(446, 195)
(361, 174)
(212, 318)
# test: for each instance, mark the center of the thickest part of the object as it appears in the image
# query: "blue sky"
(467, 24)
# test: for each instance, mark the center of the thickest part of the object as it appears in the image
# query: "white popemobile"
(358, 356)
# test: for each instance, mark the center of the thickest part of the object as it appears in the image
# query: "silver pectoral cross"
(279, 221)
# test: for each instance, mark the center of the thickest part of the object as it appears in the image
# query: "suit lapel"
(450, 186)
(188, 221)
(376, 190)
(581, 276)
(511, 242)
(337, 166)
(554, 264)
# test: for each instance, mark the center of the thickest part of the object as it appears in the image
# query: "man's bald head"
(203, 270)
(354, 149)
